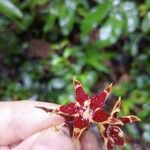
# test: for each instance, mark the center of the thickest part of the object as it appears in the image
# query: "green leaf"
(50, 21)
(144, 113)
(8, 9)
(88, 78)
(96, 61)
(33, 3)
(25, 22)
(57, 83)
(95, 17)
(148, 3)
(130, 13)
(111, 30)
(127, 105)
(120, 90)
(67, 16)
(146, 23)
(132, 130)
(55, 8)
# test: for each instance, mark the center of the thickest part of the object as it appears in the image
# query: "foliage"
(44, 44)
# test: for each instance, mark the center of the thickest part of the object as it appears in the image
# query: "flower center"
(86, 112)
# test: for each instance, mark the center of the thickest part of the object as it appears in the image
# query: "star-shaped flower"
(112, 134)
(85, 110)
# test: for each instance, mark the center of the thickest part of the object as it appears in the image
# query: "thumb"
(19, 120)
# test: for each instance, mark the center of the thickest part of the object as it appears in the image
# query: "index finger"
(20, 119)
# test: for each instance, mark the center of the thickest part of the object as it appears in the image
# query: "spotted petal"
(113, 121)
(112, 136)
(80, 125)
(100, 115)
(109, 144)
(80, 95)
(129, 119)
(99, 99)
(69, 109)
(116, 134)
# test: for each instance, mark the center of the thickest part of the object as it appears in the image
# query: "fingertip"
(89, 141)
(21, 119)
(28, 120)
(54, 140)
(77, 144)
(48, 139)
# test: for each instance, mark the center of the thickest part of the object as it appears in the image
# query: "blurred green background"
(45, 44)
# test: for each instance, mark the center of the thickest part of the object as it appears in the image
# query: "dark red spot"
(80, 123)
(98, 100)
(69, 109)
(100, 115)
(114, 132)
(80, 95)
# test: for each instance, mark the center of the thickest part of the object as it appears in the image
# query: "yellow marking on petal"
(77, 132)
(121, 134)
(57, 128)
(137, 118)
(102, 130)
(78, 104)
(76, 85)
(113, 122)
(108, 89)
(87, 103)
(116, 107)
(132, 116)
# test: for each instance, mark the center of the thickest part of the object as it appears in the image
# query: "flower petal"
(99, 99)
(112, 136)
(70, 109)
(109, 145)
(80, 125)
(100, 115)
(108, 141)
(80, 94)
(45, 109)
(115, 134)
(78, 132)
(116, 107)
(69, 123)
(129, 119)
(113, 121)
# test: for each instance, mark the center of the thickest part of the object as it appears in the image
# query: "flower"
(88, 109)
(112, 134)
(85, 110)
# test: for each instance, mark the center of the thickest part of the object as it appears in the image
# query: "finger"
(89, 141)
(19, 120)
(9, 147)
(49, 139)
(4, 148)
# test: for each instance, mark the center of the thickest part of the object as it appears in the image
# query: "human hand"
(24, 127)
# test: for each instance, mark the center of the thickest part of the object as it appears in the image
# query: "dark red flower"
(112, 134)
(85, 110)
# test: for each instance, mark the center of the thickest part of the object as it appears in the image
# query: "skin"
(24, 127)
